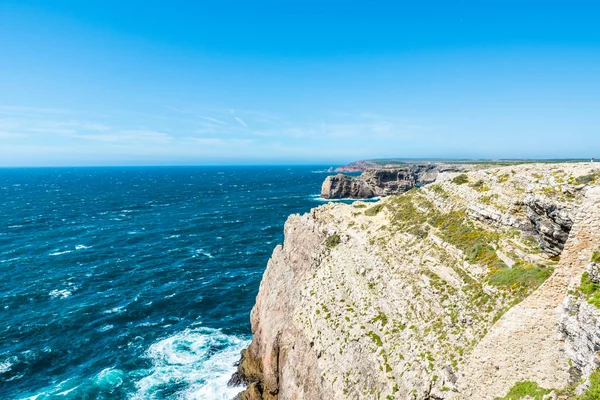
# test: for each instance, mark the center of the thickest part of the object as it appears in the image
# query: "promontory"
(479, 284)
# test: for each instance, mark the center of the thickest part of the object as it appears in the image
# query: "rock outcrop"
(342, 186)
(378, 182)
(459, 289)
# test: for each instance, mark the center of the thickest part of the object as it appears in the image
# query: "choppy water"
(135, 283)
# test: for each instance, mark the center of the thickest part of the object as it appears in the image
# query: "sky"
(296, 82)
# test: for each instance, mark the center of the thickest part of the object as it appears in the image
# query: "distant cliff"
(375, 182)
(356, 166)
(481, 285)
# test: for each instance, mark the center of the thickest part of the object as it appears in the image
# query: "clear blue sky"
(231, 82)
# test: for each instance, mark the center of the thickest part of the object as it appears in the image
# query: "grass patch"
(359, 205)
(374, 210)
(590, 289)
(595, 257)
(460, 179)
(521, 279)
(332, 240)
(521, 390)
(503, 178)
(593, 392)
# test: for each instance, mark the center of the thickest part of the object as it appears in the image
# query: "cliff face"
(458, 289)
(383, 181)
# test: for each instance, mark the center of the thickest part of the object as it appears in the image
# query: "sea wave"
(60, 294)
(317, 197)
(58, 253)
(203, 359)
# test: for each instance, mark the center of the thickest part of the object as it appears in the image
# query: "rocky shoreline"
(480, 283)
(379, 182)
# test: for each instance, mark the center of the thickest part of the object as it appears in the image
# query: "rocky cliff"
(374, 182)
(472, 287)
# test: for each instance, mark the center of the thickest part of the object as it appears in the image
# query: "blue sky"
(231, 82)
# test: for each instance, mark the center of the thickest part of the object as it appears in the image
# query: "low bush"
(332, 240)
(374, 210)
(460, 179)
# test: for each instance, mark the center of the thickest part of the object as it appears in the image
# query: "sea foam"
(202, 358)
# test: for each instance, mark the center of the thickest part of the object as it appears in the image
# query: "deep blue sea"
(135, 283)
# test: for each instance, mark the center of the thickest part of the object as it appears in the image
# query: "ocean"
(136, 283)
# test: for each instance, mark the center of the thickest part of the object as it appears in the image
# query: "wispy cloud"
(241, 121)
(4, 109)
(128, 137)
(211, 119)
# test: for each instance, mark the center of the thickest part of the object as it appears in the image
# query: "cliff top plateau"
(483, 284)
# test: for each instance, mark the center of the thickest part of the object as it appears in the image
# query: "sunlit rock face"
(453, 290)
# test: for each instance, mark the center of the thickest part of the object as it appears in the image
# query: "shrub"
(374, 210)
(585, 179)
(359, 205)
(480, 186)
(485, 255)
(460, 179)
(332, 240)
(595, 257)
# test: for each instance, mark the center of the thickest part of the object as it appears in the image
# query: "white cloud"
(211, 119)
(241, 121)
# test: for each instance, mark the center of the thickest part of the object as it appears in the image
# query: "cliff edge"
(375, 182)
(466, 288)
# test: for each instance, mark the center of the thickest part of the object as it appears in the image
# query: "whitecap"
(105, 328)
(319, 198)
(5, 366)
(81, 246)
(172, 237)
(202, 358)
(114, 310)
(203, 253)
(58, 253)
(60, 294)
(9, 260)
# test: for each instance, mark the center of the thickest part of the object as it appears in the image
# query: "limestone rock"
(379, 181)
(342, 186)
(402, 299)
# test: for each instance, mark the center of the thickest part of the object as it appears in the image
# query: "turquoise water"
(135, 283)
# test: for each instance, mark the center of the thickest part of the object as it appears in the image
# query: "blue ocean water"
(135, 283)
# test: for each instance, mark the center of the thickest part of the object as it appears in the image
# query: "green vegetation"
(359, 205)
(521, 390)
(480, 186)
(332, 240)
(455, 228)
(521, 279)
(590, 289)
(503, 178)
(585, 179)
(595, 257)
(374, 210)
(593, 392)
(484, 255)
(460, 179)
(380, 317)
(375, 338)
